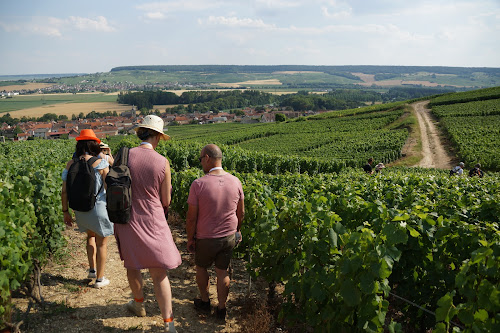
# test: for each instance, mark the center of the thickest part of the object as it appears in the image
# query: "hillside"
(270, 78)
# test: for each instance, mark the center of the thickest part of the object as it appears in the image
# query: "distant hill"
(366, 69)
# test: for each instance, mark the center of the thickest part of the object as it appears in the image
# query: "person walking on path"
(146, 241)
(476, 171)
(368, 166)
(213, 224)
(94, 222)
(458, 170)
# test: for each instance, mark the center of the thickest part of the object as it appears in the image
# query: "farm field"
(67, 104)
(349, 251)
(26, 86)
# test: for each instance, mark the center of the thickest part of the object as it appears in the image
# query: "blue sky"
(41, 37)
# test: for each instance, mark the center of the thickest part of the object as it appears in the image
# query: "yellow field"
(27, 86)
(295, 72)
(69, 109)
(251, 82)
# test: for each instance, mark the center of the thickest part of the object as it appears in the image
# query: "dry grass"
(369, 79)
(27, 86)
(275, 82)
(295, 72)
(69, 109)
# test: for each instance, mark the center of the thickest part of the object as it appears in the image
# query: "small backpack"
(80, 185)
(119, 191)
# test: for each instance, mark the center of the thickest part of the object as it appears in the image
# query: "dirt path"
(83, 308)
(435, 155)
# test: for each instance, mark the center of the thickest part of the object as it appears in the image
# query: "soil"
(434, 153)
(76, 306)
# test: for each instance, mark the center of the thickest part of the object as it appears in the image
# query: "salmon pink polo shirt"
(217, 198)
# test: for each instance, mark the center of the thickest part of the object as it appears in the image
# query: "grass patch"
(413, 148)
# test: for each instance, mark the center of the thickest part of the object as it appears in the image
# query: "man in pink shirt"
(213, 222)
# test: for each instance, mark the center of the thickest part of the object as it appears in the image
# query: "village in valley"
(125, 122)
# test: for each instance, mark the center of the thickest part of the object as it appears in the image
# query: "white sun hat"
(155, 123)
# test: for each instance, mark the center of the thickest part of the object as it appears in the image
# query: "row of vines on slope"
(473, 126)
(341, 243)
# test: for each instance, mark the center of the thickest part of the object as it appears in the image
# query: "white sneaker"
(92, 274)
(103, 283)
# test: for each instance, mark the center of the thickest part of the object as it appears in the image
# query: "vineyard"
(346, 138)
(409, 249)
(472, 120)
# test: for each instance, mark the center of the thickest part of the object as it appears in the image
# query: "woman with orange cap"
(94, 222)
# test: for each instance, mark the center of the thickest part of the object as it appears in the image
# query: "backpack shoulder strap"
(122, 157)
(92, 160)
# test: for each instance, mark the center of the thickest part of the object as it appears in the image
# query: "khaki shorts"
(219, 250)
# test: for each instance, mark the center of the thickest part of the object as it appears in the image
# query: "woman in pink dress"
(146, 241)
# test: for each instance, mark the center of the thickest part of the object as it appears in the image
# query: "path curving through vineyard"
(435, 154)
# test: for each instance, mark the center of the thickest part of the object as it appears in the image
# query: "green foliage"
(340, 242)
(280, 117)
(468, 96)
(30, 216)
(473, 127)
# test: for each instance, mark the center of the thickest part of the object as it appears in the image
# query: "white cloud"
(235, 22)
(86, 24)
(45, 31)
(50, 28)
(155, 15)
(56, 27)
(338, 14)
(277, 4)
(178, 5)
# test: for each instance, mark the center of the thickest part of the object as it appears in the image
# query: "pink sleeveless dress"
(146, 241)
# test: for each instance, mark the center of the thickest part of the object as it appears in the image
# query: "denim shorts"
(218, 250)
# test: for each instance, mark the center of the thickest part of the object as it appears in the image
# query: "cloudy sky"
(48, 37)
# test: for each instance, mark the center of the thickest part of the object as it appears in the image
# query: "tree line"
(215, 101)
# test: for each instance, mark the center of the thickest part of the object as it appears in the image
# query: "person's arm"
(110, 159)
(191, 220)
(240, 214)
(64, 201)
(166, 187)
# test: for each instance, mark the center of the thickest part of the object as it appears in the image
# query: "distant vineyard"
(350, 136)
(468, 96)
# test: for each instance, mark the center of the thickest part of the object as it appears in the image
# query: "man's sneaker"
(202, 305)
(137, 308)
(102, 283)
(92, 274)
(221, 314)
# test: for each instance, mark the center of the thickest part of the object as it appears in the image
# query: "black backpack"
(119, 191)
(80, 185)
